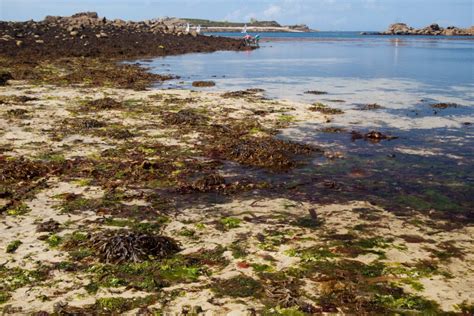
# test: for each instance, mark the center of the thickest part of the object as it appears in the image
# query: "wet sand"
(119, 199)
(245, 248)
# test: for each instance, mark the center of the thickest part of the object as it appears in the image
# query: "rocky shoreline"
(87, 49)
(433, 29)
(88, 35)
(116, 199)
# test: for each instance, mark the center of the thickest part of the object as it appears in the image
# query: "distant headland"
(251, 26)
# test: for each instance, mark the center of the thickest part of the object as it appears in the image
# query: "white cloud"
(272, 11)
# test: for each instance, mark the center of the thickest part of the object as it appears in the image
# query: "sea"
(428, 165)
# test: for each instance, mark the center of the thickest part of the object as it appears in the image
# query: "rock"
(119, 23)
(74, 33)
(6, 38)
(51, 19)
(193, 33)
(39, 41)
(91, 15)
(19, 43)
(433, 29)
(3, 202)
(399, 29)
(102, 35)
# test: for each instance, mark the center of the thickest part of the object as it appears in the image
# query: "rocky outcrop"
(91, 20)
(433, 29)
(88, 35)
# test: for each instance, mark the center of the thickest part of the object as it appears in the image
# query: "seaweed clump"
(315, 92)
(324, 109)
(205, 183)
(183, 117)
(204, 84)
(238, 286)
(128, 246)
(101, 104)
(250, 94)
(48, 226)
(371, 106)
(443, 105)
(265, 152)
(13, 170)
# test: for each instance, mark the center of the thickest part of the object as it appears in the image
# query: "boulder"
(433, 29)
(51, 19)
(90, 15)
(4, 77)
(399, 28)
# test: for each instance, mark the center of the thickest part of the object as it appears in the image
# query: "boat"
(198, 29)
(187, 27)
(244, 30)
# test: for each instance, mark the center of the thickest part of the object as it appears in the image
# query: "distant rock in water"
(433, 29)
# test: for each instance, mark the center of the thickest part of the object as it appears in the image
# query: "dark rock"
(48, 226)
(316, 92)
(204, 84)
(372, 136)
(91, 15)
(4, 77)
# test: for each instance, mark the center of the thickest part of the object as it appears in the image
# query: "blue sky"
(356, 15)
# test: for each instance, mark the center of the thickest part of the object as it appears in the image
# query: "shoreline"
(256, 29)
(119, 199)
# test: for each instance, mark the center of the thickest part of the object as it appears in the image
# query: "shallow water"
(428, 167)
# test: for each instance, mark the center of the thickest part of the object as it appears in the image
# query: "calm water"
(430, 60)
(430, 165)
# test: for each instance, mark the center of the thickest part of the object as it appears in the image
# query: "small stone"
(39, 41)
(19, 43)
(74, 33)
(102, 35)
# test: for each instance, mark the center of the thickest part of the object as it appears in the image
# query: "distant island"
(252, 26)
(433, 29)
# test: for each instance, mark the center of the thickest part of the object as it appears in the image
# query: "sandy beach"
(241, 242)
(117, 198)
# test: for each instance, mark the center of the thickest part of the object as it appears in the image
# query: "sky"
(325, 15)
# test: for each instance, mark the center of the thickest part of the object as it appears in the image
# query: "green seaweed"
(230, 222)
(239, 286)
(20, 209)
(13, 246)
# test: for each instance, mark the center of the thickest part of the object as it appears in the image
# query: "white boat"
(198, 29)
(244, 30)
(187, 28)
